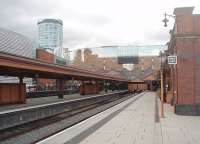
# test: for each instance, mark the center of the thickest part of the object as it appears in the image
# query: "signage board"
(172, 59)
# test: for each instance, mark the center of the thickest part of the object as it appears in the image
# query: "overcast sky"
(89, 23)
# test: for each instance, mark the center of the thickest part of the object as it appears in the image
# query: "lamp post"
(161, 86)
(165, 20)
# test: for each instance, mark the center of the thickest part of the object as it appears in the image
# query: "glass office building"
(50, 34)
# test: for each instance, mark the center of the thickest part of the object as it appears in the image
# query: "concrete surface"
(18, 116)
(44, 131)
(120, 124)
(132, 122)
(178, 129)
(135, 124)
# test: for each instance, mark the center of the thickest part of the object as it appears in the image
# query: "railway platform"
(133, 121)
(128, 122)
(44, 100)
(28, 113)
(179, 129)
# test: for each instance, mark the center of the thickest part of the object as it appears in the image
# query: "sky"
(93, 23)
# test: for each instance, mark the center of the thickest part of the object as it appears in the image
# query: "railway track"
(10, 135)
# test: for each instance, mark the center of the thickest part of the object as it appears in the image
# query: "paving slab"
(178, 129)
(133, 122)
(130, 122)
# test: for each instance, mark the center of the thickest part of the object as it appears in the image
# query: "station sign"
(172, 60)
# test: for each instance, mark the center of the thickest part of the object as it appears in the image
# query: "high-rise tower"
(50, 34)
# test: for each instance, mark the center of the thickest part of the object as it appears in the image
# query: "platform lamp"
(165, 21)
(161, 85)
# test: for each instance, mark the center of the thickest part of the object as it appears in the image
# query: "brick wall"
(44, 56)
(185, 71)
(185, 43)
(47, 57)
(197, 69)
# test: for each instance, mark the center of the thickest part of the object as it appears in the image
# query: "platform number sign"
(172, 59)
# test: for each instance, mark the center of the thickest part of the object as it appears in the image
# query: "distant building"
(63, 53)
(50, 33)
(105, 59)
(133, 57)
(45, 56)
(77, 57)
(48, 57)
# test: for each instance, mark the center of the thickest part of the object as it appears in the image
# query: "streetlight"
(165, 20)
(161, 86)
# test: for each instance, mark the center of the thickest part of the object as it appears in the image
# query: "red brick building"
(86, 88)
(183, 79)
(47, 57)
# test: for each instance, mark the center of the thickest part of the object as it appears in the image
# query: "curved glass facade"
(50, 34)
(17, 44)
(14, 43)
